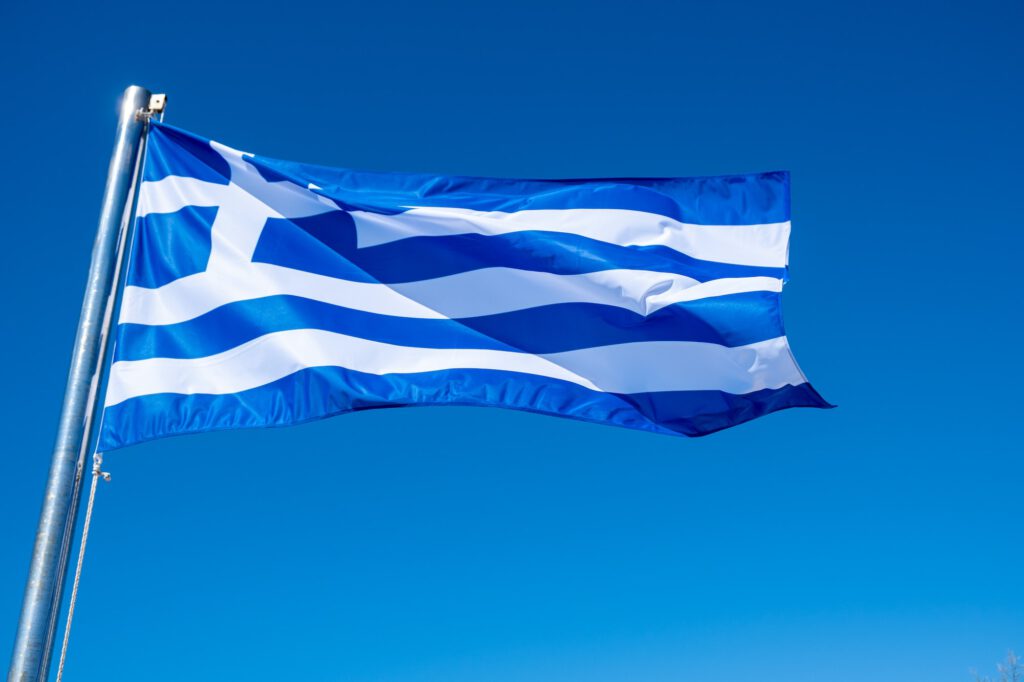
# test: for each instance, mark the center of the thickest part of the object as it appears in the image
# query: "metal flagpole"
(33, 645)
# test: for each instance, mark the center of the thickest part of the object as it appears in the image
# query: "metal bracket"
(157, 104)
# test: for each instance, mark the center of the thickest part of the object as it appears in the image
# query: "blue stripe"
(173, 151)
(733, 320)
(722, 200)
(326, 391)
(325, 244)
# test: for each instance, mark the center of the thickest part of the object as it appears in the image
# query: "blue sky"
(881, 540)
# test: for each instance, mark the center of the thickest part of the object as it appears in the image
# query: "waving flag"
(262, 293)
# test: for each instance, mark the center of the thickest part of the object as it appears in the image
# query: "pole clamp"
(97, 467)
(156, 106)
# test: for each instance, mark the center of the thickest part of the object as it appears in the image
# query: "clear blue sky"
(883, 540)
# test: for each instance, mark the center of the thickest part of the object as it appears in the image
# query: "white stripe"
(623, 368)
(188, 297)
(499, 290)
(469, 294)
(173, 193)
(248, 195)
(760, 245)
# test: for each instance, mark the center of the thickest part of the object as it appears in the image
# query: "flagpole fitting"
(97, 467)
(156, 106)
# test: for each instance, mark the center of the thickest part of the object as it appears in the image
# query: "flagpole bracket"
(156, 106)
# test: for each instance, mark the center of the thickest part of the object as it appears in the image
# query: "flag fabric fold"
(261, 292)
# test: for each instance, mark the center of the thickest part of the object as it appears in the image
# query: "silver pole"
(33, 645)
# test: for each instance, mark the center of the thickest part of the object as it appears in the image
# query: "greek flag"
(260, 292)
